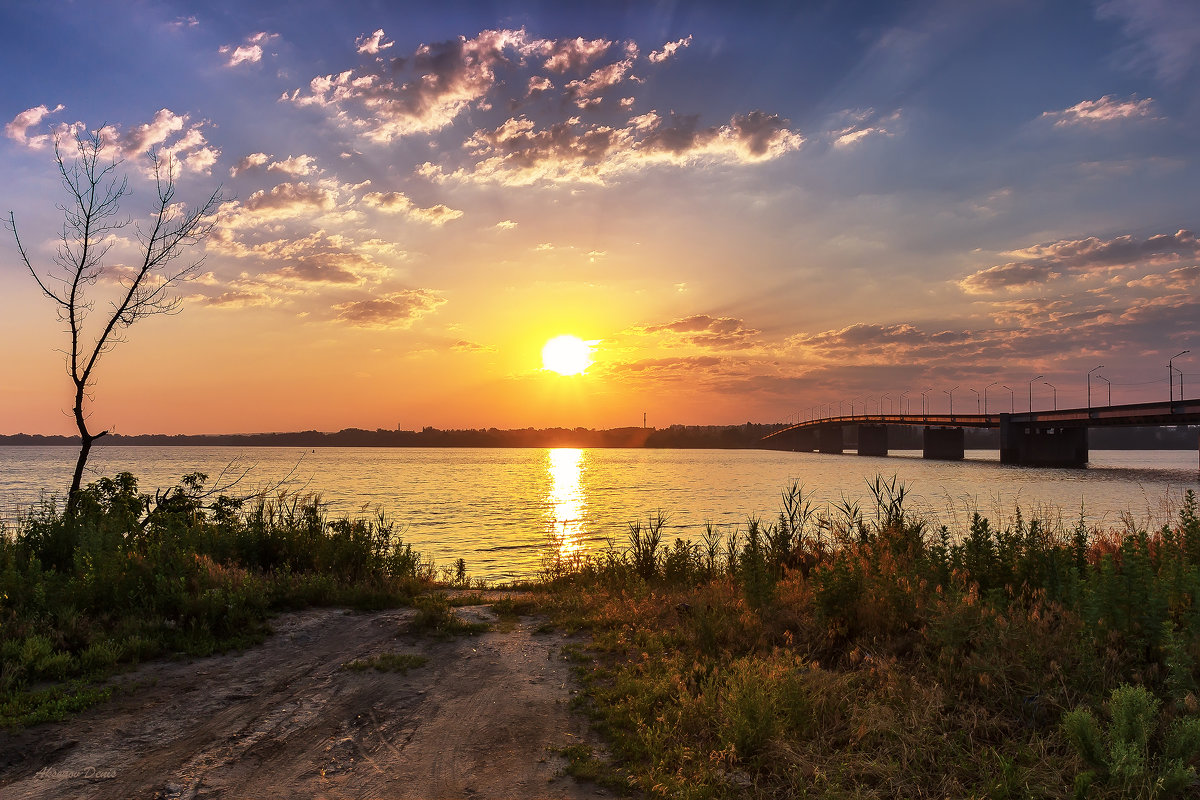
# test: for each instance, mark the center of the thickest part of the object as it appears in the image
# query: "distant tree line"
(677, 436)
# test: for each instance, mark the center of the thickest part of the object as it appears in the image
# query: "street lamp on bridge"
(1031, 380)
(900, 402)
(926, 391)
(1106, 380)
(1089, 382)
(889, 399)
(1051, 385)
(976, 391)
(990, 385)
(1011, 400)
(950, 392)
(1171, 376)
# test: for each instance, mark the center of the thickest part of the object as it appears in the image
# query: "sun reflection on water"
(566, 501)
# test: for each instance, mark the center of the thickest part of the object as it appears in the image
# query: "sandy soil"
(285, 720)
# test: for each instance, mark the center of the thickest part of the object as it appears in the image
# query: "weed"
(434, 618)
(387, 662)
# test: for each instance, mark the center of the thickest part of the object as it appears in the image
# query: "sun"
(566, 355)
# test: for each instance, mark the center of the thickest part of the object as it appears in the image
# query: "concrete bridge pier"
(945, 444)
(805, 440)
(829, 439)
(872, 440)
(1037, 446)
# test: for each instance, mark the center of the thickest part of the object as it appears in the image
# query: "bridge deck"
(1180, 412)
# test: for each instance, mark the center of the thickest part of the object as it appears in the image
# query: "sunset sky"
(749, 209)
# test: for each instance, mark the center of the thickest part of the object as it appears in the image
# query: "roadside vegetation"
(126, 576)
(843, 654)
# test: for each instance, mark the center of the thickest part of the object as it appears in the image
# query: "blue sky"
(748, 209)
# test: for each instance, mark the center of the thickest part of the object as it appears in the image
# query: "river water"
(499, 509)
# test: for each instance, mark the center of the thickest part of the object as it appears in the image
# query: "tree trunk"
(86, 439)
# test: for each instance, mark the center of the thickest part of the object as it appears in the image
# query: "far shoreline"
(682, 437)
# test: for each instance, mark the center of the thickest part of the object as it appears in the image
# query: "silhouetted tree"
(95, 188)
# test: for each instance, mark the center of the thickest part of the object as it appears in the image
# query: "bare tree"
(95, 188)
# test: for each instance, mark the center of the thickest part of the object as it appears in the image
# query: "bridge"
(1056, 438)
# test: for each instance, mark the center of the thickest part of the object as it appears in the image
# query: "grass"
(881, 655)
(388, 662)
(130, 577)
(435, 618)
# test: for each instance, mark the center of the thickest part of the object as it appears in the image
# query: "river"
(499, 508)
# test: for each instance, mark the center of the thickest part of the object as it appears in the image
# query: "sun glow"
(566, 355)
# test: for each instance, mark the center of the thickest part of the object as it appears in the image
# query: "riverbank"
(870, 652)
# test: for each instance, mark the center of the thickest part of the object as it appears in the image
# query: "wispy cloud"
(668, 49)
(250, 51)
(853, 126)
(1165, 34)
(1099, 112)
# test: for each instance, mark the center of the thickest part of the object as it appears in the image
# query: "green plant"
(1138, 752)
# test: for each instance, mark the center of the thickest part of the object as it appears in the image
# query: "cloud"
(505, 225)
(171, 137)
(438, 83)
(1179, 279)
(328, 268)
(538, 85)
(1098, 112)
(669, 49)
(372, 44)
(676, 367)
(320, 257)
(1165, 34)
(399, 203)
(855, 125)
(518, 153)
(291, 200)
(180, 23)
(396, 310)
(237, 298)
(18, 129)
(249, 162)
(702, 330)
(422, 93)
(1091, 256)
(295, 165)
(583, 92)
(572, 54)
(463, 346)
(865, 336)
(250, 52)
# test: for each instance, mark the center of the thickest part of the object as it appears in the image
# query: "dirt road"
(286, 720)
